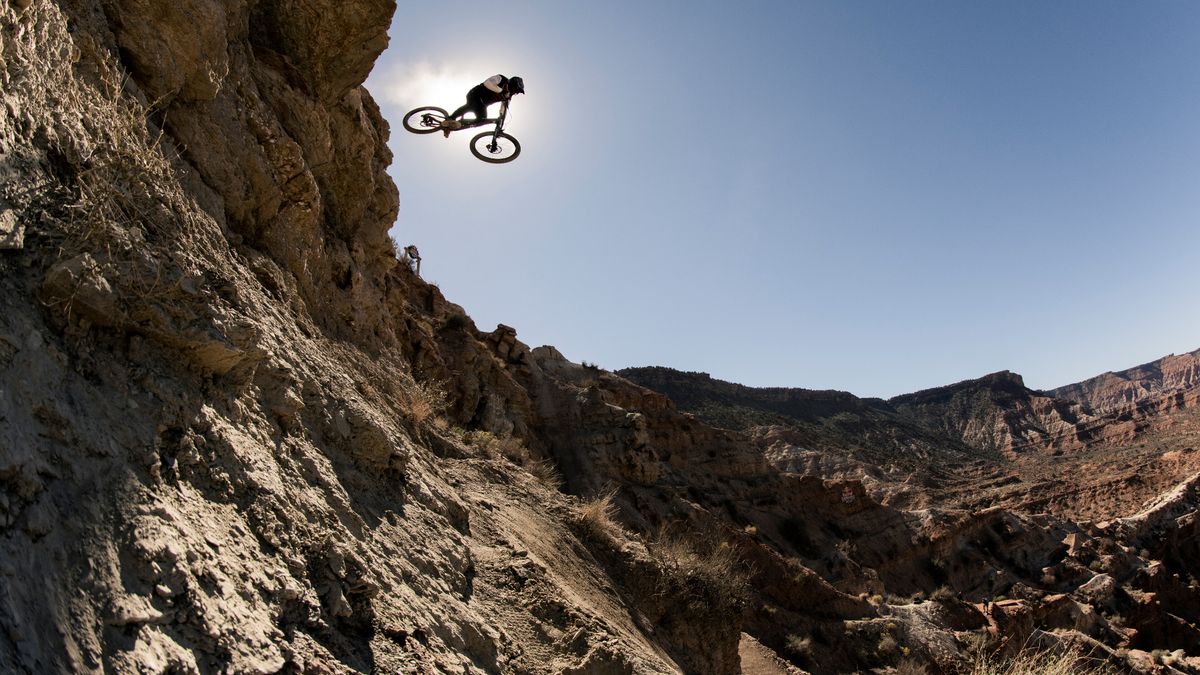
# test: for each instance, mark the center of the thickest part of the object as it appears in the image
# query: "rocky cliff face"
(984, 442)
(998, 413)
(1160, 386)
(236, 436)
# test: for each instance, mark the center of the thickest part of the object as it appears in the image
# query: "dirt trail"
(758, 660)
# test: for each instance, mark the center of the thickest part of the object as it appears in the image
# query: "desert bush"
(704, 566)
(456, 322)
(426, 400)
(546, 472)
(942, 594)
(1036, 663)
(113, 192)
(798, 647)
(887, 645)
(975, 645)
(492, 446)
(910, 667)
(596, 518)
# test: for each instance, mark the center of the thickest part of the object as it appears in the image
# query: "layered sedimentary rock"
(1159, 386)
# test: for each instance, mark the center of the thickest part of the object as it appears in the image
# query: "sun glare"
(403, 86)
(423, 83)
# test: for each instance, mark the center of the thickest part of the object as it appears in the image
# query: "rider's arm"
(493, 83)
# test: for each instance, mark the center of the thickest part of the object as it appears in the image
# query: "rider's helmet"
(516, 85)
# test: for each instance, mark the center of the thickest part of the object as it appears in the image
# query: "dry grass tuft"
(1036, 663)
(498, 447)
(512, 449)
(909, 667)
(426, 400)
(703, 566)
(547, 472)
(799, 647)
(597, 518)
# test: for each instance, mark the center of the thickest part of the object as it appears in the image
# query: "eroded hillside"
(237, 436)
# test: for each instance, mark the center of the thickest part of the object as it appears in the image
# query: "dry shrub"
(798, 647)
(887, 645)
(943, 594)
(1036, 663)
(702, 566)
(426, 400)
(498, 447)
(910, 667)
(596, 518)
(513, 449)
(114, 193)
(546, 472)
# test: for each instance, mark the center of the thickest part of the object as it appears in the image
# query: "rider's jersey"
(490, 90)
(495, 83)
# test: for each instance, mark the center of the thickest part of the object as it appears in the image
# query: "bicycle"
(495, 146)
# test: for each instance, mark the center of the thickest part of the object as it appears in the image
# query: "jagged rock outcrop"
(1172, 381)
(998, 413)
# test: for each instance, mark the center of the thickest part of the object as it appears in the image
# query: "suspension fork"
(500, 121)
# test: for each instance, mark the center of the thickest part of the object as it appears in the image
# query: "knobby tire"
(508, 148)
(413, 119)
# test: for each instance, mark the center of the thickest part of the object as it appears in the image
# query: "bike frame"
(498, 121)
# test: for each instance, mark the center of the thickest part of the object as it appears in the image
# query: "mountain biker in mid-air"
(492, 90)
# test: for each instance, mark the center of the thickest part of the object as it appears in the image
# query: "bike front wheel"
(495, 148)
(425, 120)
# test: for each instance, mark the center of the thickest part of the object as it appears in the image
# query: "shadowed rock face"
(998, 413)
(263, 102)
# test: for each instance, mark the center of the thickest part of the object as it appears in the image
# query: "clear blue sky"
(877, 197)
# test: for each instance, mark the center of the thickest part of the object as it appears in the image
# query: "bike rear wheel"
(495, 148)
(425, 120)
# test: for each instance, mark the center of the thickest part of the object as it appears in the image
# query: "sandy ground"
(758, 660)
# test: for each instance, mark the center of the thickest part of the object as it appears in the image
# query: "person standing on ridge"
(412, 259)
(492, 90)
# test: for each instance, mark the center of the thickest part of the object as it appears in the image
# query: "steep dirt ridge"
(237, 436)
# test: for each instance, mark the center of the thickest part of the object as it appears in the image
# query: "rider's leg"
(477, 106)
(452, 121)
